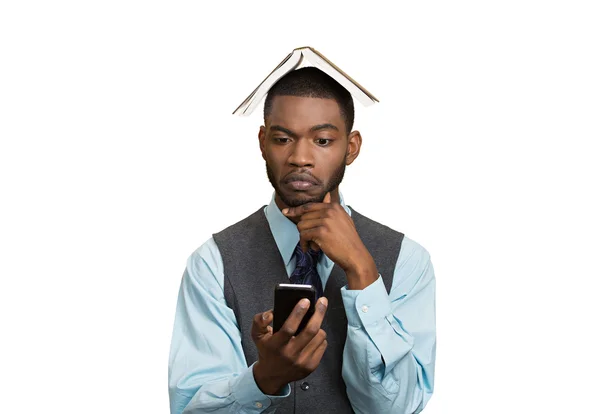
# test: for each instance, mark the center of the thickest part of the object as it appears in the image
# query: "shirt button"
(304, 386)
(258, 404)
(365, 308)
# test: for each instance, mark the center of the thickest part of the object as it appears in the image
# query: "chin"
(299, 198)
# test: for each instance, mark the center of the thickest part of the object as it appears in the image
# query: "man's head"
(311, 82)
(306, 140)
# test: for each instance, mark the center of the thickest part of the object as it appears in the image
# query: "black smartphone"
(286, 298)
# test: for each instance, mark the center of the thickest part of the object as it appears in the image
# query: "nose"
(301, 155)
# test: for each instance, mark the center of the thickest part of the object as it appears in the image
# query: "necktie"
(306, 269)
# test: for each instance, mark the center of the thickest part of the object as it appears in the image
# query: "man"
(370, 345)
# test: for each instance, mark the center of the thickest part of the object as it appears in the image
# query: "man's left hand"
(329, 226)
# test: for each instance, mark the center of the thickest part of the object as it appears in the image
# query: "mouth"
(301, 182)
(301, 185)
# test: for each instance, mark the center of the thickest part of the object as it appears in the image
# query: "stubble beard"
(334, 182)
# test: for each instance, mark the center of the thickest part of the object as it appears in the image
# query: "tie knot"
(306, 269)
(306, 260)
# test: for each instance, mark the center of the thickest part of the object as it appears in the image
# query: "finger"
(310, 360)
(315, 235)
(314, 344)
(309, 224)
(317, 355)
(309, 238)
(260, 324)
(303, 209)
(305, 243)
(329, 200)
(309, 244)
(320, 213)
(313, 326)
(314, 246)
(290, 326)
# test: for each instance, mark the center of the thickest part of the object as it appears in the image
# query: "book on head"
(298, 58)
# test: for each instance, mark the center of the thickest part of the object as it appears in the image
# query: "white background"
(119, 156)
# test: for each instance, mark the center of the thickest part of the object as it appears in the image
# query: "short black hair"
(311, 82)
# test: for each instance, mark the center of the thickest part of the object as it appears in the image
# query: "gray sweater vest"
(253, 266)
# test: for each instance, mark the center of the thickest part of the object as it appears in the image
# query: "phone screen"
(286, 298)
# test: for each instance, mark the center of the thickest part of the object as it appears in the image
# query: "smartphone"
(287, 297)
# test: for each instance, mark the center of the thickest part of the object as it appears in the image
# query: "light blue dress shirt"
(389, 355)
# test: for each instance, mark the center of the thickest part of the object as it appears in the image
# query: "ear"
(353, 148)
(262, 134)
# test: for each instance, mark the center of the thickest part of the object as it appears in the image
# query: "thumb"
(266, 318)
(327, 198)
(260, 324)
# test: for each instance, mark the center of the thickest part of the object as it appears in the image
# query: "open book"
(301, 57)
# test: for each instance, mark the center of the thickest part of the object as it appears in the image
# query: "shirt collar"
(284, 230)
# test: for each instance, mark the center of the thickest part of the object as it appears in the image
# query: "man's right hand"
(283, 357)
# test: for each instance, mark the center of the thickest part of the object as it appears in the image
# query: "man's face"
(305, 144)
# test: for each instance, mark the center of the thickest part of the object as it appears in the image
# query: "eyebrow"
(294, 135)
(323, 126)
(284, 130)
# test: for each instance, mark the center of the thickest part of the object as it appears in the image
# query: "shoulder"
(373, 231)
(204, 269)
(356, 216)
(208, 254)
(411, 250)
(413, 265)
(413, 254)
(413, 270)
(208, 258)
(237, 229)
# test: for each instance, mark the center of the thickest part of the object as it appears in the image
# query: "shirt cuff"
(368, 306)
(247, 394)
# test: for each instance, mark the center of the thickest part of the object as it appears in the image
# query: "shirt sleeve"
(207, 367)
(389, 356)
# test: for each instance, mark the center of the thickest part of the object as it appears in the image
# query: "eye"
(323, 142)
(281, 140)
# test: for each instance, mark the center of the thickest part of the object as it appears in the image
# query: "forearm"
(382, 370)
(207, 367)
(379, 384)
(237, 393)
(362, 272)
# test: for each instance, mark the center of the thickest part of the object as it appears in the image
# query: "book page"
(324, 64)
(290, 63)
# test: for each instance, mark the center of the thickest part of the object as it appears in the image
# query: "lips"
(301, 181)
